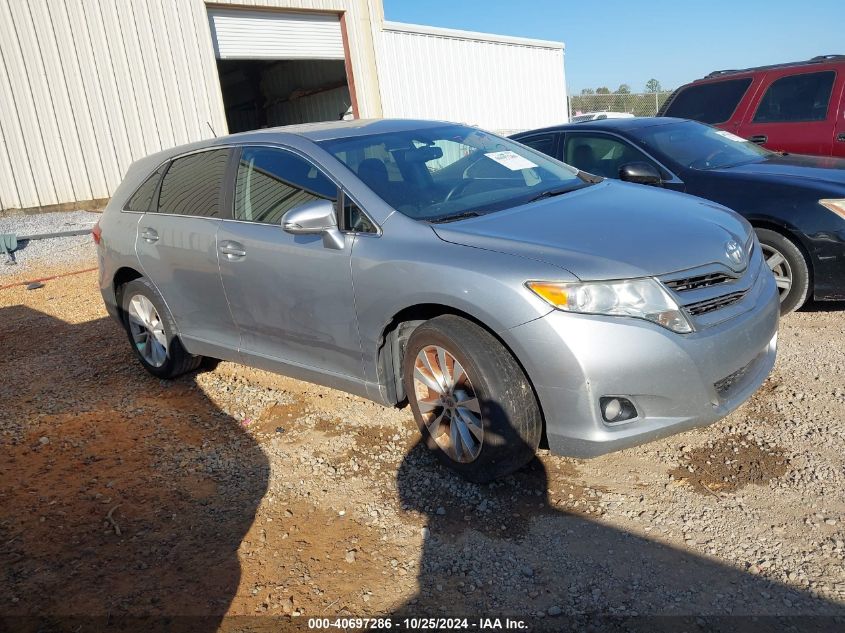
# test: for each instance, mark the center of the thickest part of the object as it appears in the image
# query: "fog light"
(615, 409)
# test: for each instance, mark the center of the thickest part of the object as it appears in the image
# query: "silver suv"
(507, 297)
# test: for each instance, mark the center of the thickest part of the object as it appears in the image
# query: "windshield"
(449, 172)
(700, 146)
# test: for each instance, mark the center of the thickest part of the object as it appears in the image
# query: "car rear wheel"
(471, 400)
(789, 266)
(151, 331)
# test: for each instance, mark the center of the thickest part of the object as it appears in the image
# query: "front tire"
(471, 400)
(152, 332)
(789, 266)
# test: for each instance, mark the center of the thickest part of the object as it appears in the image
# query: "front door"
(291, 296)
(177, 248)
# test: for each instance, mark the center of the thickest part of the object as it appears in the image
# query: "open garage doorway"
(261, 93)
(280, 67)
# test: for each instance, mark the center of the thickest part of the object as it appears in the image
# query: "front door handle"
(149, 235)
(841, 137)
(232, 250)
(759, 138)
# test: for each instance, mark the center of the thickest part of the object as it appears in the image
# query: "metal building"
(88, 86)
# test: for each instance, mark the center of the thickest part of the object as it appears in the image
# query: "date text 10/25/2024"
(419, 624)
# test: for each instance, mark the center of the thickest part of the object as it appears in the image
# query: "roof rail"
(818, 59)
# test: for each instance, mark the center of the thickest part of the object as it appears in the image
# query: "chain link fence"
(641, 104)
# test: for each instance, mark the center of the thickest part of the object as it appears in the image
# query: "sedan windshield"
(452, 172)
(698, 146)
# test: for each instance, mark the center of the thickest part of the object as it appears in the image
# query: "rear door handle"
(232, 250)
(149, 235)
(759, 138)
(841, 137)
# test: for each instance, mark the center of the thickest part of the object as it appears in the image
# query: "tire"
(503, 421)
(791, 269)
(161, 353)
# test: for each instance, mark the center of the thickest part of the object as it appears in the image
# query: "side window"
(796, 98)
(193, 183)
(272, 181)
(709, 103)
(542, 143)
(601, 155)
(143, 197)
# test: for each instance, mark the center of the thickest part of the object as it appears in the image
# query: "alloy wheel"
(780, 267)
(147, 330)
(448, 404)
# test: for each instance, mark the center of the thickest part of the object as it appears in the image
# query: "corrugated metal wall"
(497, 83)
(88, 86)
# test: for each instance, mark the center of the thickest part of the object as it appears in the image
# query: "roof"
(418, 29)
(634, 123)
(818, 59)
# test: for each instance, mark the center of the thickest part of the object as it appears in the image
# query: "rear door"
(177, 249)
(291, 296)
(795, 112)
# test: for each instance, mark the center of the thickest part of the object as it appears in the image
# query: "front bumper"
(676, 381)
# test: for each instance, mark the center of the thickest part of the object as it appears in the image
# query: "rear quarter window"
(193, 184)
(711, 103)
(143, 197)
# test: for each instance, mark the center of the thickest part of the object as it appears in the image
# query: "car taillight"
(97, 233)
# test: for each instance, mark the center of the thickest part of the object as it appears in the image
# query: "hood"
(818, 168)
(611, 230)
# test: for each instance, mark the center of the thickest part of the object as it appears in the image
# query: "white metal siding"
(251, 34)
(88, 86)
(501, 84)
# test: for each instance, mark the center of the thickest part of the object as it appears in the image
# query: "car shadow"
(823, 306)
(521, 547)
(125, 498)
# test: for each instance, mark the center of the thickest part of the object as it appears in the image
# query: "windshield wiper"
(551, 193)
(452, 218)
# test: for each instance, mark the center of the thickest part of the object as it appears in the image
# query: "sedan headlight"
(837, 206)
(640, 298)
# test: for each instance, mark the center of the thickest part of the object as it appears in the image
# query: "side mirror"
(640, 173)
(317, 217)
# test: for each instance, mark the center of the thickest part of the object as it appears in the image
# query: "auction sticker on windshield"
(511, 160)
(730, 137)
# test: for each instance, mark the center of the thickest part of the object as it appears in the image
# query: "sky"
(610, 42)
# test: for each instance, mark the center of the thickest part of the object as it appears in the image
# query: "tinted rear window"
(144, 196)
(709, 103)
(193, 183)
(795, 98)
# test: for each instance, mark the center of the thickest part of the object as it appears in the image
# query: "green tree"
(602, 90)
(652, 85)
(623, 89)
(588, 91)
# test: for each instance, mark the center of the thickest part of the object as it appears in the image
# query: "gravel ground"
(295, 500)
(62, 250)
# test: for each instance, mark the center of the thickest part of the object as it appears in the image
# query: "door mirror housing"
(317, 217)
(641, 174)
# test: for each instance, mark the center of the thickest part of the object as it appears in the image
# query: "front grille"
(699, 281)
(717, 303)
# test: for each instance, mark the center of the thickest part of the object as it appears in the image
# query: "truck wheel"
(472, 402)
(790, 268)
(151, 331)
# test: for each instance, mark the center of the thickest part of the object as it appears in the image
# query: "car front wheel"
(471, 400)
(789, 266)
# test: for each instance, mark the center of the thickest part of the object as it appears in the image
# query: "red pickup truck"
(798, 107)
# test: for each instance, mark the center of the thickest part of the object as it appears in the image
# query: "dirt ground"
(236, 492)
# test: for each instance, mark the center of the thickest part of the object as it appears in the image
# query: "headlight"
(639, 298)
(837, 206)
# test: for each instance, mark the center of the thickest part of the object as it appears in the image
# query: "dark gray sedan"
(507, 297)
